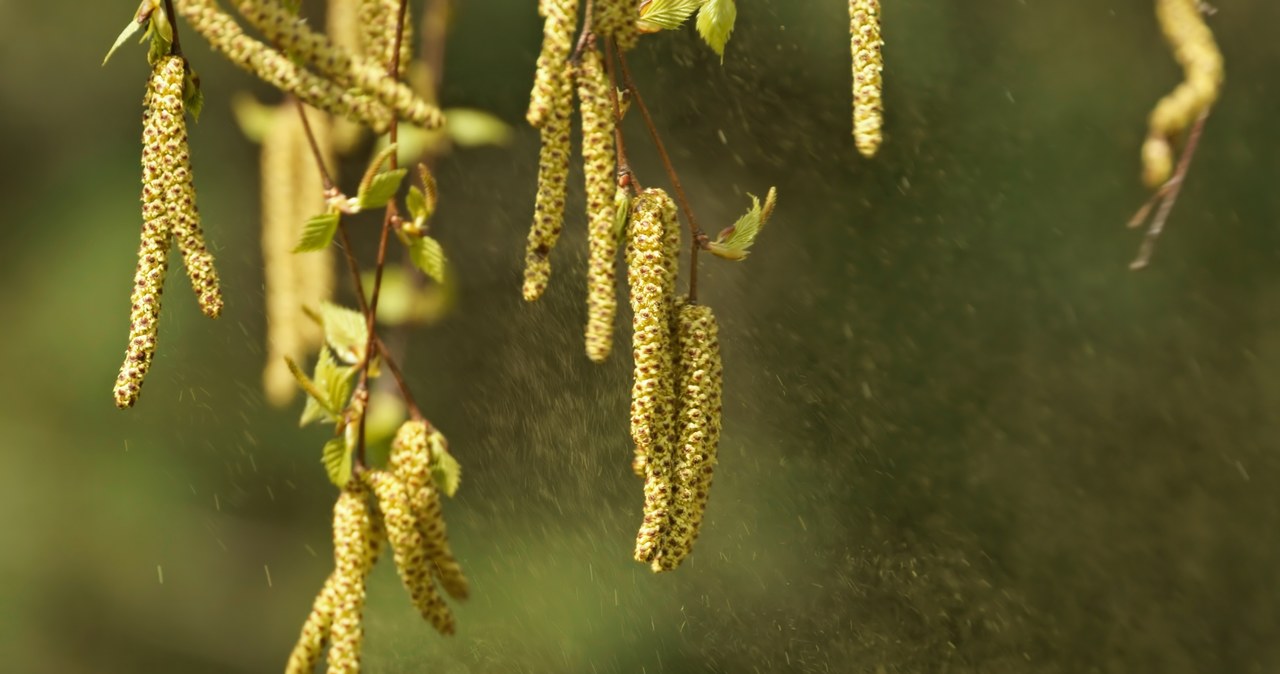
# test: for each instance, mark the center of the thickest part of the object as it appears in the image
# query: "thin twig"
(699, 238)
(626, 178)
(1166, 196)
(175, 48)
(325, 176)
(585, 36)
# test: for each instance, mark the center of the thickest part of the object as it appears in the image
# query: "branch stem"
(1165, 196)
(626, 178)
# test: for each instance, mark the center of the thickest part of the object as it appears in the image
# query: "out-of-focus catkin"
(378, 20)
(409, 548)
(700, 380)
(1197, 52)
(410, 459)
(616, 19)
(354, 551)
(650, 275)
(560, 20)
(553, 175)
(598, 165)
(865, 43)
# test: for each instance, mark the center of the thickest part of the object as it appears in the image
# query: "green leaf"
(622, 211)
(428, 255)
(735, 242)
(255, 119)
(337, 461)
(327, 390)
(134, 26)
(446, 472)
(379, 160)
(318, 233)
(666, 14)
(345, 330)
(192, 94)
(468, 127)
(416, 202)
(715, 23)
(381, 189)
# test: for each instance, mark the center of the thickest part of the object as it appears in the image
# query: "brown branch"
(626, 177)
(1165, 196)
(175, 48)
(699, 238)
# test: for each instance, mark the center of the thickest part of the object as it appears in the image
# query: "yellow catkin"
(561, 18)
(153, 252)
(409, 549)
(292, 192)
(553, 175)
(378, 32)
(598, 162)
(283, 29)
(354, 549)
(698, 428)
(616, 19)
(180, 191)
(226, 37)
(865, 43)
(410, 459)
(1197, 52)
(650, 275)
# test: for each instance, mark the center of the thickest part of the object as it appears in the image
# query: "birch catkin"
(561, 17)
(616, 19)
(865, 43)
(1197, 52)
(410, 460)
(598, 164)
(553, 175)
(354, 550)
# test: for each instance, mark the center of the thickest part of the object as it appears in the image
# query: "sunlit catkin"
(598, 162)
(1197, 52)
(553, 175)
(153, 252)
(865, 43)
(560, 20)
(617, 19)
(652, 284)
(410, 459)
(354, 550)
(226, 37)
(698, 428)
(309, 649)
(378, 20)
(409, 548)
(282, 28)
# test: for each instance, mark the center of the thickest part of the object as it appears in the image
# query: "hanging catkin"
(378, 19)
(560, 19)
(616, 19)
(410, 460)
(865, 43)
(598, 162)
(354, 550)
(1197, 52)
(553, 175)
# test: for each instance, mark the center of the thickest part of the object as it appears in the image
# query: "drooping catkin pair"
(292, 192)
(865, 43)
(168, 211)
(408, 516)
(1197, 52)
(345, 84)
(675, 408)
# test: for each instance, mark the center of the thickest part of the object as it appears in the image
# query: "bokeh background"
(960, 436)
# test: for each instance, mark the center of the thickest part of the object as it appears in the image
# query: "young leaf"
(734, 242)
(327, 390)
(337, 461)
(428, 255)
(318, 233)
(622, 211)
(381, 189)
(416, 202)
(468, 127)
(192, 94)
(345, 330)
(446, 472)
(312, 411)
(143, 15)
(666, 14)
(366, 181)
(715, 23)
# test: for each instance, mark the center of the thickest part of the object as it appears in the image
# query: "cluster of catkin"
(1195, 50)
(675, 398)
(865, 43)
(168, 212)
(401, 505)
(310, 66)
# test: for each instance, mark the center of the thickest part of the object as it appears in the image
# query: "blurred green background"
(959, 435)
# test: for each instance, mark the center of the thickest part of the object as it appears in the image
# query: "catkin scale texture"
(410, 460)
(354, 551)
(617, 19)
(1196, 51)
(553, 176)
(561, 17)
(865, 43)
(598, 165)
(409, 549)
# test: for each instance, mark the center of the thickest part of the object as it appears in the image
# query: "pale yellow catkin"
(410, 459)
(561, 18)
(651, 280)
(283, 28)
(700, 381)
(409, 549)
(553, 176)
(378, 32)
(227, 38)
(616, 19)
(309, 649)
(1196, 51)
(342, 24)
(868, 62)
(598, 167)
(354, 549)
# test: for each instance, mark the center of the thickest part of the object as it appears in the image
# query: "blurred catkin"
(553, 175)
(378, 20)
(865, 43)
(354, 551)
(598, 165)
(1196, 51)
